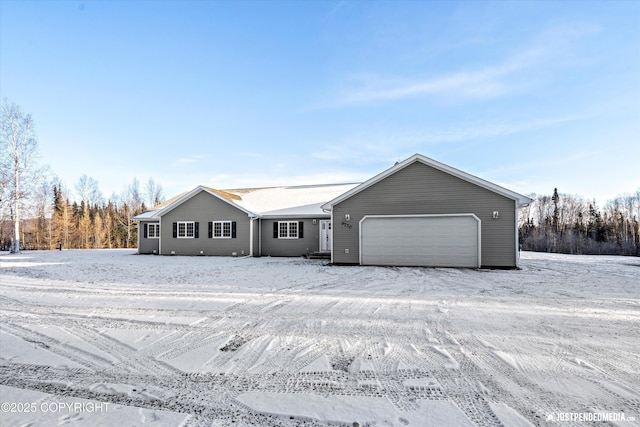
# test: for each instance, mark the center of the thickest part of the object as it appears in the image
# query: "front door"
(325, 235)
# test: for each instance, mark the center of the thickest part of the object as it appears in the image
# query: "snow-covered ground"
(113, 338)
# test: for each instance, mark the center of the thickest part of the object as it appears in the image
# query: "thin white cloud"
(183, 161)
(337, 10)
(547, 50)
(376, 146)
(257, 180)
(478, 84)
(481, 130)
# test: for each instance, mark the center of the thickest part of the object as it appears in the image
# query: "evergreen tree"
(556, 211)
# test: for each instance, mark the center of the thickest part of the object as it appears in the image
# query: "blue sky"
(529, 95)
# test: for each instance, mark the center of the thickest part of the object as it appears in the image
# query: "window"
(153, 231)
(186, 230)
(221, 229)
(288, 230)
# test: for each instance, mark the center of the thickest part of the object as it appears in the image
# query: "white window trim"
(193, 228)
(288, 236)
(153, 226)
(222, 223)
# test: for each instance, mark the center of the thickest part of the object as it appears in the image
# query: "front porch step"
(319, 255)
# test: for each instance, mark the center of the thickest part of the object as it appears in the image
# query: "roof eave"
(140, 217)
(288, 216)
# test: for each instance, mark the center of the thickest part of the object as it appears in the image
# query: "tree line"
(52, 219)
(37, 211)
(570, 224)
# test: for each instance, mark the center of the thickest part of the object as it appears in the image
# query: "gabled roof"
(174, 202)
(519, 198)
(268, 202)
(311, 200)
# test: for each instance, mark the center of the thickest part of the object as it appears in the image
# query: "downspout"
(332, 236)
(251, 220)
(517, 239)
(260, 236)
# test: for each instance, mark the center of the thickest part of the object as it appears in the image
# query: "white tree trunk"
(16, 216)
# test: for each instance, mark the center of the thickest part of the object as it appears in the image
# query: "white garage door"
(422, 240)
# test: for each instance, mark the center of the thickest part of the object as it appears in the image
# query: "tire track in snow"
(410, 346)
(127, 357)
(90, 360)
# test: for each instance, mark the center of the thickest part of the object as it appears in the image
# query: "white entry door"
(325, 235)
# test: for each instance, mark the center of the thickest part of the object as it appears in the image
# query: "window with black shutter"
(223, 229)
(185, 229)
(288, 230)
(152, 231)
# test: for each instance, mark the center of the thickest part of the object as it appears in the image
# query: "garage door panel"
(436, 241)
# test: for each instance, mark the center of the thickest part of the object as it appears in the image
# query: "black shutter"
(300, 230)
(275, 229)
(196, 230)
(210, 229)
(145, 230)
(175, 230)
(233, 229)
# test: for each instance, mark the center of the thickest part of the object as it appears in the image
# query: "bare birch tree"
(154, 193)
(18, 152)
(130, 206)
(89, 190)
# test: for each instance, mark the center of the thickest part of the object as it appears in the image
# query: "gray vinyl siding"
(310, 242)
(422, 189)
(202, 208)
(145, 245)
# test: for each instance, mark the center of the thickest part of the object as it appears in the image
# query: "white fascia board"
(519, 198)
(293, 216)
(145, 216)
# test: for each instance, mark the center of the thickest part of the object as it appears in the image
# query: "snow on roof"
(293, 201)
(144, 215)
(309, 200)
(151, 213)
